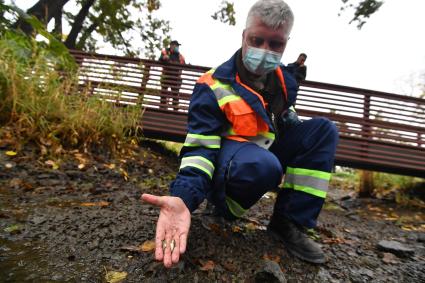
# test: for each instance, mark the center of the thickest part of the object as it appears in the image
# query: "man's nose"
(266, 45)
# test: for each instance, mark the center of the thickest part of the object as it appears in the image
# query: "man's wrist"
(186, 197)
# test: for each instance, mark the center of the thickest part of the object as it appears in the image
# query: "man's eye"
(257, 41)
(276, 44)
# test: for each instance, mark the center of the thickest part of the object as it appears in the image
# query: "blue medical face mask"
(261, 61)
(176, 49)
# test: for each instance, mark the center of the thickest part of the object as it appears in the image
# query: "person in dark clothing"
(171, 75)
(298, 69)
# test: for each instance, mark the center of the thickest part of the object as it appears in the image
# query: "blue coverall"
(233, 155)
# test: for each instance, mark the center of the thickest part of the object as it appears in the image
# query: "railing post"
(145, 79)
(366, 129)
(366, 115)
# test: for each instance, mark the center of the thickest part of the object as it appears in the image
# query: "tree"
(116, 22)
(362, 11)
(226, 14)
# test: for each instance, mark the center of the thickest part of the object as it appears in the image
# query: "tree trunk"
(44, 10)
(86, 34)
(71, 40)
(366, 184)
(58, 25)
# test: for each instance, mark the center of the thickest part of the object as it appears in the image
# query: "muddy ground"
(80, 218)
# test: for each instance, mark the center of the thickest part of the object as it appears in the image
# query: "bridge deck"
(378, 131)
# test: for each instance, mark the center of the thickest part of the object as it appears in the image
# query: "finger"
(167, 251)
(159, 237)
(175, 254)
(183, 242)
(155, 200)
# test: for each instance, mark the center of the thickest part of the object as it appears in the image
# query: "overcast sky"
(387, 54)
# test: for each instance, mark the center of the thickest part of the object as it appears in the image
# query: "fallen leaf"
(124, 174)
(389, 258)
(148, 246)
(408, 228)
(110, 166)
(52, 163)
(207, 265)
(13, 229)
(236, 229)
(81, 166)
(230, 266)
(333, 241)
(274, 258)
(132, 248)
(15, 182)
(115, 276)
(250, 227)
(99, 203)
(11, 153)
(374, 208)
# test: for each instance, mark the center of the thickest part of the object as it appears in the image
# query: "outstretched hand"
(172, 228)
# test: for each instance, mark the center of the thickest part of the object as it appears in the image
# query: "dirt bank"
(75, 219)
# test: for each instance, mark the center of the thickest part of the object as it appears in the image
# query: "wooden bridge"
(378, 131)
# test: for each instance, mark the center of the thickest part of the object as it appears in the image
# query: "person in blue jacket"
(243, 137)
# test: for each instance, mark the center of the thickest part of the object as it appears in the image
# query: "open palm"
(172, 227)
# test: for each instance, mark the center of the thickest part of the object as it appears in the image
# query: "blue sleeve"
(201, 148)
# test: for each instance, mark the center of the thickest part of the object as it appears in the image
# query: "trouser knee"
(251, 176)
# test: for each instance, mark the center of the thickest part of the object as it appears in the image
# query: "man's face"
(301, 60)
(261, 36)
(174, 47)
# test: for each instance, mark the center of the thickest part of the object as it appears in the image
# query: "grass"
(49, 107)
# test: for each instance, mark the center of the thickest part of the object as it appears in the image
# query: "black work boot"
(295, 241)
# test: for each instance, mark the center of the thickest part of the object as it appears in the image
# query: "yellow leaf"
(110, 166)
(100, 203)
(52, 163)
(11, 153)
(250, 227)
(236, 229)
(148, 246)
(12, 229)
(124, 174)
(115, 276)
(81, 166)
(408, 228)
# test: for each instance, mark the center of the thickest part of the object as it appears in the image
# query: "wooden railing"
(378, 131)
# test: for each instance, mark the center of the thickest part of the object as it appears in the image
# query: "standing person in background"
(243, 136)
(298, 69)
(171, 75)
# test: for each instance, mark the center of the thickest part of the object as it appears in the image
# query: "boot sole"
(295, 252)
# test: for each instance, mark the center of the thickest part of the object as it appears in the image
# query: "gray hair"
(273, 13)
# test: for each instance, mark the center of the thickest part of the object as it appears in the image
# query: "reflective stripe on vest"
(194, 140)
(199, 162)
(309, 181)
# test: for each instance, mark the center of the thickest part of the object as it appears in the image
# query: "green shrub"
(41, 100)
